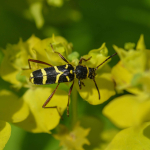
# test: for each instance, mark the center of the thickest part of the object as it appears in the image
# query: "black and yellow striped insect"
(63, 73)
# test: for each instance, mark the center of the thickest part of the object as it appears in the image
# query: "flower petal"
(5, 132)
(123, 78)
(141, 43)
(90, 93)
(133, 60)
(40, 119)
(121, 75)
(8, 73)
(134, 138)
(11, 108)
(127, 110)
(148, 59)
(15, 58)
(98, 56)
(144, 82)
(45, 53)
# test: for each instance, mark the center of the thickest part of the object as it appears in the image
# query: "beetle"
(63, 73)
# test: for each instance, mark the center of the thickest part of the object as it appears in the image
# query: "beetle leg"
(62, 57)
(36, 61)
(49, 98)
(70, 90)
(81, 59)
(97, 88)
(80, 84)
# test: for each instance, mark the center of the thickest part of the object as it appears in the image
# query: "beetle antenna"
(105, 60)
(97, 88)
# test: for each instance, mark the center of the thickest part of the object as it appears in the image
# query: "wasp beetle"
(63, 73)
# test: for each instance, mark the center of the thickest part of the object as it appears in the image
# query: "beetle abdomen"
(51, 75)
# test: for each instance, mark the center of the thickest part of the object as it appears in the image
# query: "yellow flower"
(133, 66)
(132, 73)
(16, 57)
(74, 139)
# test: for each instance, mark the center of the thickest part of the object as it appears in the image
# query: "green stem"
(74, 106)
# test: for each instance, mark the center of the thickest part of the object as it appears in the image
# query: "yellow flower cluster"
(131, 110)
(26, 111)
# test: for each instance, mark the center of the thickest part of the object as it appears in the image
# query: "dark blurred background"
(85, 23)
(97, 21)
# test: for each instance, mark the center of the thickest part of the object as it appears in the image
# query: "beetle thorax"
(81, 72)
